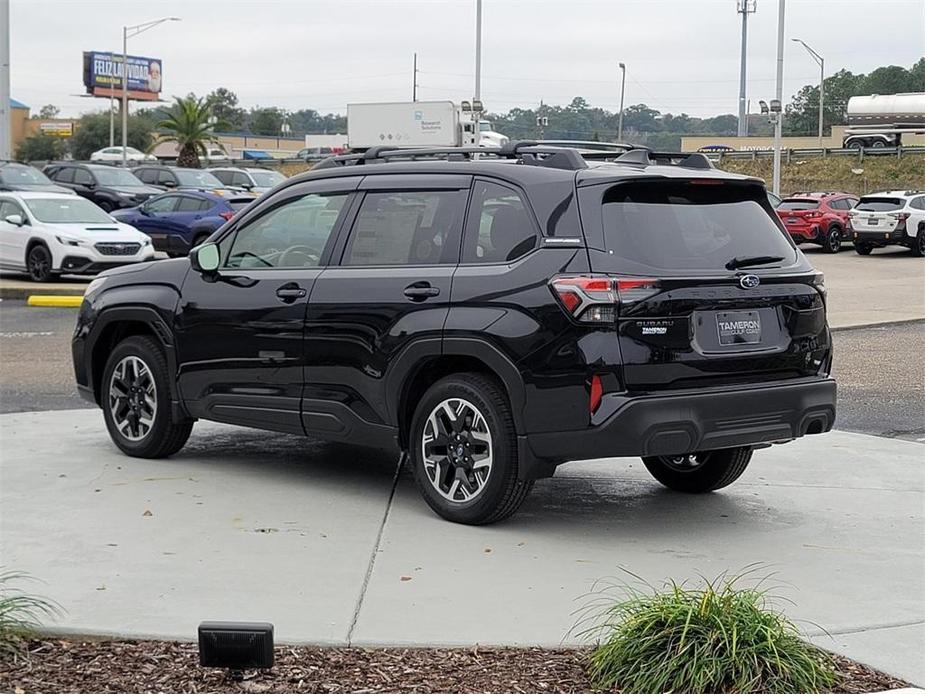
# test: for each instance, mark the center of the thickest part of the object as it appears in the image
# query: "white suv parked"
(50, 234)
(891, 218)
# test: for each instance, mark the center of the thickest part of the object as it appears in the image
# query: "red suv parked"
(817, 218)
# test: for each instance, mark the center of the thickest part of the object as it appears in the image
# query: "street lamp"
(622, 92)
(128, 32)
(821, 62)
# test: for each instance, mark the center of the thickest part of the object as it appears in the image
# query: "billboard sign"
(57, 129)
(102, 73)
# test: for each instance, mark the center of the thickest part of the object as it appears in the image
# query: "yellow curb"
(51, 300)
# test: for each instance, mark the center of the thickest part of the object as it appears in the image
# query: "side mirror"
(247, 186)
(170, 184)
(15, 220)
(205, 259)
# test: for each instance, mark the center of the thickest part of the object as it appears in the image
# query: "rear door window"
(679, 227)
(406, 228)
(223, 176)
(82, 177)
(65, 175)
(162, 205)
(880, 204)
(190, 204)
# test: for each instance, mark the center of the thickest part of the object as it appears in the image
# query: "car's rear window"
(879, 204)
(796, 204)
(677, 227)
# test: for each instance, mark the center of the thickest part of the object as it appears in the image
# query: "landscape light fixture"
(127, 33)
(821, 62)
(236, 646)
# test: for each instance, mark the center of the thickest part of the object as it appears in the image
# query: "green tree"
(49, 111)
(92, 133)
(190, 123)
(40, 147)
(224, 104)
(265, 121)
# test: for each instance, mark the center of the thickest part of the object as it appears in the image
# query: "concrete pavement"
(251, 525)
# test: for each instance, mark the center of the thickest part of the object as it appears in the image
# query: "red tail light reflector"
(226, 215)
(597, 392)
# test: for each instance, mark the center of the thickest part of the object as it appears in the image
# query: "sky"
(681, 55)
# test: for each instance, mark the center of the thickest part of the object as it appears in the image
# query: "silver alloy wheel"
(132, 398)
(457, 450)
(685, 463)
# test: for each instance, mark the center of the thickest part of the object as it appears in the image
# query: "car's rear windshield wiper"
(747, 261)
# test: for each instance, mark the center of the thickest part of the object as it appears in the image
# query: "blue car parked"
(178, 221)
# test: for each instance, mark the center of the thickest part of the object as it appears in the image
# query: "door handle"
(420, 291)
(290, 292)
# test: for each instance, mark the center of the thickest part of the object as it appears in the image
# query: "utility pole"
(821, 62)
(478, 50)
(744, 7)
(622, 92)
(414, 82)
(5, 115)
(779, 93)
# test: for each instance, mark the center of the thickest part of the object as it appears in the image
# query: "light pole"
(5, 115)
(818, 58)
(478, 67)
(744, 7)
(779, 91)
(127, 33)
(622, 92)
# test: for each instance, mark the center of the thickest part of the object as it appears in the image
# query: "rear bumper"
(803, 232)
(880, 238)
(676, 423)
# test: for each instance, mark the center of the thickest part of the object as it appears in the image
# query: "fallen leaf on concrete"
(405, 578)
(147, 513)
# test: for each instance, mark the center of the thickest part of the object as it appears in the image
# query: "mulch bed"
(150, 667)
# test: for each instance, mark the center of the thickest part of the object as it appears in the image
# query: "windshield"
(799, 205)
(658, 227)
(23, 176)
(267, 179)
(116, 177)
(71, 211)
(879, 204)
(484, 126)
(197, 179)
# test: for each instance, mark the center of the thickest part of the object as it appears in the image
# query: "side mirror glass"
(205, 258)
(170, 184)
(15, 220)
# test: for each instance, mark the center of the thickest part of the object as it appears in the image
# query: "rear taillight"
(812, 214)
(226, 215)
(594, 299)
(596, 394)
(900, 218)
(819, 284)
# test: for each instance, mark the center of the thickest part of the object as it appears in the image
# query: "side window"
(161, 205)
(239, 178)
(850, 203)
(406, 228)
(204, 205)
(189, 204)
(919, 203)
(294, 234)
(500, 228)
(8, 207)
(147, 175)
(65, 175)
(223, 176)
(165, 177)
(82, 177)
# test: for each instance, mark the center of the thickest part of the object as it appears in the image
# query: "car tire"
(200, 239)
(39, 263)
(863, 248)
(878, 144)
(831, 242)
(473, 412)
(856, 144)
(698, 473)
(918, 244)
(135, 375)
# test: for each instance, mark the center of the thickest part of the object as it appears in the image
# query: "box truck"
(416, 124)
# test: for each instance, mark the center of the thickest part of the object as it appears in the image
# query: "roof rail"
(527, 151)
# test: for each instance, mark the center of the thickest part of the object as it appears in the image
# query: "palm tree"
(190, 123)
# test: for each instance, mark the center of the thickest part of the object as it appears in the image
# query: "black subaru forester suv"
(493, 316)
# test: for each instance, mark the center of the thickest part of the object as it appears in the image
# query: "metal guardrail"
(788, 154)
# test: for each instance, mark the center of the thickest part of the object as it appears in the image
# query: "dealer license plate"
(738, 327)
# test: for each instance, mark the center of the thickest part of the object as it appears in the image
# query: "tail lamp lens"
(595, 299)
(226, 215)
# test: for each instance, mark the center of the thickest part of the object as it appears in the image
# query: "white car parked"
(891, 218)
(114, 154)
(254, 180)
(50, 234)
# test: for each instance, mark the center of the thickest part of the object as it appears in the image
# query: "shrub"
(716, 639)
(20, 613)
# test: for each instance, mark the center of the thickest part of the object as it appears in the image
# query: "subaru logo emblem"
(749, 281)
